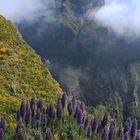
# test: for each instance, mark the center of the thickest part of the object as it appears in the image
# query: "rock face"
(22, 72)
(89, 60)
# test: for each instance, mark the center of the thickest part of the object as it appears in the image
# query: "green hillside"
(22, 73)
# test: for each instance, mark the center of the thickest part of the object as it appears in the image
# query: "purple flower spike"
(33, 101)
(133, 129)
(105, 133)
(33, 110)
(47, 109)
(89, 132)
(76, 112)
(28, 116)
(129, 124)
(44, 120)
(86, 124)
(51, 111)
(3, 124)
(49, 135)
(40, 105)
(126, 136)
(95, 123)
(138, 136)
(80, 116)
(105, 120)
(18, 114)
(23, 108)
(70, 108)
(38, 114)
(120, 133)
(64, 98)
(74, 102)
(1, 134)
(82, 106)
(27, 106)
(59, 110)
(111, 131)
(37, 124)
(83, 121)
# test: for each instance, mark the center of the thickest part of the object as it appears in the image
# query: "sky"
(121, 16)
(24, 10)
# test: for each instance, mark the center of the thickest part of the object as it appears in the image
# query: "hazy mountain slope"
(22, 73)
(89, 60)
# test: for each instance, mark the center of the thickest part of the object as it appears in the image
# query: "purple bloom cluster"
(3, 128)
(33, 114)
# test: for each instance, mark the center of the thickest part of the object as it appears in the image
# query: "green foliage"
(22, 72)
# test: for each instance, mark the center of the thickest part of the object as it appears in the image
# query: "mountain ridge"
(22, 72)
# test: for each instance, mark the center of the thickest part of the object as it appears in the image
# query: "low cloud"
(121, 16)
(24, 10)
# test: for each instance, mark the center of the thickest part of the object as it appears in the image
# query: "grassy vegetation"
(22, 72)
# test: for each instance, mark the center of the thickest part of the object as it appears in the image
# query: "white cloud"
(23, 10)
(122, 16)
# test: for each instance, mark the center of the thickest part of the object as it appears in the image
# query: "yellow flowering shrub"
(22, 72)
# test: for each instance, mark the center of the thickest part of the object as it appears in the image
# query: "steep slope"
(89, 60)
(22, 73)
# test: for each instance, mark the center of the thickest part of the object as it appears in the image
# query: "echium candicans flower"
(38, 114)
(74, 103)
(47, 109)
(40, 105)
(59, 100)
(83, 121)
(126, 136)
(129, 124)
(79, 116)
(89, 132)
(27, 106)
(120, 133)
(70, 108)
(23, 108)
(33, 101)
(28, 116)
(1, 134)
(81, 106)
(133, 128)
(59, 110)
(33, 110)
(105, 133)
(18, 114)
(64, 98)
(51, 111)
(3, 124)
(49, 135)
(111, 131)
(94, 123)
(105, 120)
(138, 136)
(44, 120)
(37, 124)
(86, 124)
(76, 112)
